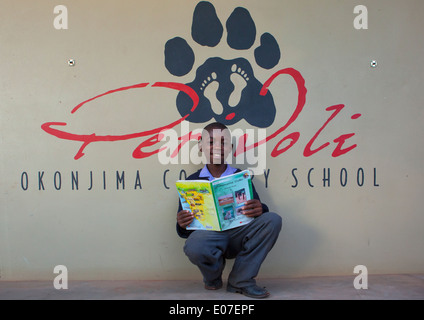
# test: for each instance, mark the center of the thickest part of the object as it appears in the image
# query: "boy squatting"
(248, 244)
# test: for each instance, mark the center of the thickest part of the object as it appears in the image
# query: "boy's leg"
(206, 250)
(252, 243)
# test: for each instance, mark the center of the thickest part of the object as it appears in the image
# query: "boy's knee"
(273, 221)
(193, 250)
(197, 247)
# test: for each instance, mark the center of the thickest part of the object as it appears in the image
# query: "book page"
(196, 196)
(231, 193)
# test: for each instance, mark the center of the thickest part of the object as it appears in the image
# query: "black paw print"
(228, 90)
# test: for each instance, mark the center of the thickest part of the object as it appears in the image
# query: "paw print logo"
(228, 90)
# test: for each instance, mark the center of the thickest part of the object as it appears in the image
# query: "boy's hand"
(252, 208)
(184, 218)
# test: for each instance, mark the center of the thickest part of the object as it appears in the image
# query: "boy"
(248, 244)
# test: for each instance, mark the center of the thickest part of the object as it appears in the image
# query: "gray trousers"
(248, 244)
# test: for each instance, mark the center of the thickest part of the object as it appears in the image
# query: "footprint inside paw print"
(228, 89)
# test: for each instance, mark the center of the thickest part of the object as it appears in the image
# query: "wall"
(347, 180)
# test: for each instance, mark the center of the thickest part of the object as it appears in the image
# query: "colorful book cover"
(216, 204)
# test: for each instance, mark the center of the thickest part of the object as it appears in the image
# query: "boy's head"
(215, 143)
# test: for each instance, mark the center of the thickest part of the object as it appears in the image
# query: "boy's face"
(216, 145)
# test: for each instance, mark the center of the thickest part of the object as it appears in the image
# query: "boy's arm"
(183, 233)
(256, 196)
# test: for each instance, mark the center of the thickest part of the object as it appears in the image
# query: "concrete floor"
(380, 287)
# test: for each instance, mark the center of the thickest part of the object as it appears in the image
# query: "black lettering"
(91, 181)
(137, 181)
(40, 180)
(164, 178)
(326, 178)
(57, 174)
(24, 186)
(266, 174)
(343, 177)
(360, 177)
(375, 178)
(181, 174)
(309, 177)
(120, 179)
(74, 179)
(295, 179)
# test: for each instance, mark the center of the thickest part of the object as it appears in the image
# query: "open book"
(216, 204)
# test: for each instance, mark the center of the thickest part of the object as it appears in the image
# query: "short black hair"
(215, 125)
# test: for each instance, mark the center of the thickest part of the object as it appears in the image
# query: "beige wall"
(110, 233)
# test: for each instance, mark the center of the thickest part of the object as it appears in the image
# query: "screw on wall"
(373, 63)
(71, 62)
